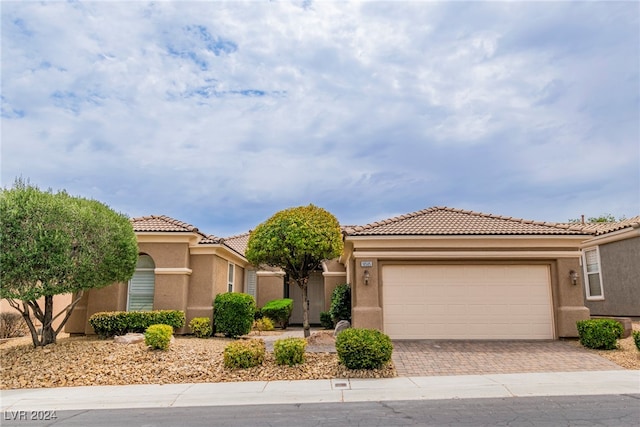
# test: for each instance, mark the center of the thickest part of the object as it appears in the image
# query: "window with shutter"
(142, 285)
(252, 281)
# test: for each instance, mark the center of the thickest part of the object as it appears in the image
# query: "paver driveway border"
(436, 357)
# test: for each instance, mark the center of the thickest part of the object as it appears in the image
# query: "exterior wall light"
(573, 275)
(366, 277)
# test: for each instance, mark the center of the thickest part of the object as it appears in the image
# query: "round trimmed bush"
(278, 310)
(201, 327)
(158, 336)
(289, 351)
(233, 313)
(363, 348)
(244, 354)
(263, 324)
(599, 333)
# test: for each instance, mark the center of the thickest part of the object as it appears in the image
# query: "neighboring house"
(611, 268)
(439, 273)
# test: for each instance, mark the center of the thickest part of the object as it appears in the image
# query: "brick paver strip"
(430, 357)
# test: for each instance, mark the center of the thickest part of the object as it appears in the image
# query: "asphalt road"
(608, 410)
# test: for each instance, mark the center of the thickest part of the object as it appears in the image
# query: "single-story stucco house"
(611, 268)
(438, 273)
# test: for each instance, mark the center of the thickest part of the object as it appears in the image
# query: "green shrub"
(158, 336)
(108, 324)
(244, 354)
(363, 348)
(263, 324)
(340, 308)
(289, 351)
(233, 314)
(599, 333)
(636, 339)
(201, 327)
(279, 310)
(325, 320)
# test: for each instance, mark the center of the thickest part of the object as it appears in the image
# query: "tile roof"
(238, 243)
(449, 221)
(600, 228)
(163, 223)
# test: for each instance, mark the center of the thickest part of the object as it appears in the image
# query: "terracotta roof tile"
(163, 223)
(599, 228)
(449, 221)
(238, 243)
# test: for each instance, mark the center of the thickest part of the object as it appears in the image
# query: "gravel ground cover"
(86, 361)
(82, 361)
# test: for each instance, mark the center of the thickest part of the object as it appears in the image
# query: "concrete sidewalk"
(323, 391)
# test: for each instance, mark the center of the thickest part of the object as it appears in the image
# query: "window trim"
(586, 273)
(231, 277)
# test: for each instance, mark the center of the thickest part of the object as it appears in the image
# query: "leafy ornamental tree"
(53, 243)
(607, 217)
(296, 240)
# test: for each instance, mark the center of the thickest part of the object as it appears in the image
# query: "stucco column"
(366, 311)
(171, 292)
(569, 297)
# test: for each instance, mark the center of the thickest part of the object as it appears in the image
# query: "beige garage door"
(467, 302)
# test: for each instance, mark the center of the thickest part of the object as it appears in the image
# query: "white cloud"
(196, 109)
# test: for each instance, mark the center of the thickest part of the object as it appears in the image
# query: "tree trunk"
(305, 310)
(48, 334)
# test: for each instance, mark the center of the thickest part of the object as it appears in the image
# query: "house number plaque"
(366, 263)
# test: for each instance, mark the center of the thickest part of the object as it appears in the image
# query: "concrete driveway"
(435, 357)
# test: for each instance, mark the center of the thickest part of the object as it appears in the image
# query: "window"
(252, 281)
(592, 274)
(231, 274)
(142, 285)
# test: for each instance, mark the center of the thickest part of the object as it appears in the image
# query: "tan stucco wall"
(568, 301)
(201, 292)
(269, 288)
(568, 298)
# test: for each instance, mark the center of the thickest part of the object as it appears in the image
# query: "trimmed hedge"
(289, 351)
(599, 333)
(340, 308)
(363, 348)
(201, 327)
(108, 324)
(233, 313)
(636, 339)
(244, 354)
(278, 310)
(158, 336)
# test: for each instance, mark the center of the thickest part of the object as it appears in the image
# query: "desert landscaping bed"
(87, 361)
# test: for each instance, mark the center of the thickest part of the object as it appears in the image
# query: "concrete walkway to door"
(436, 357)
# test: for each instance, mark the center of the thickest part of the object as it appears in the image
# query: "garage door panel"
(467, 302)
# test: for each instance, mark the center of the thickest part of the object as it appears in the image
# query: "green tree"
(296, 240)
(607, 217)
(53, 243)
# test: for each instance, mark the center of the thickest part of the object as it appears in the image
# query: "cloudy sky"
(219, 114)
